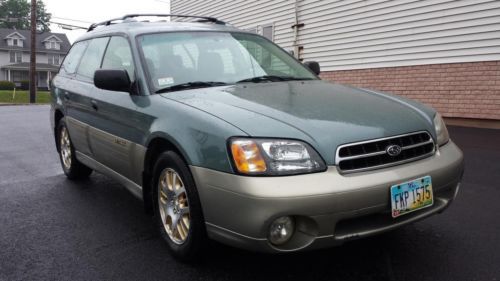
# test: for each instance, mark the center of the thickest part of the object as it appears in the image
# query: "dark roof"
(26, 66)
(4, 32)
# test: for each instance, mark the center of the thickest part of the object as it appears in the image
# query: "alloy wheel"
(65, 144)
(174, 206)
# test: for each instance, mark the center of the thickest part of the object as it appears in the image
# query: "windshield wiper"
(273, 78)
(191, 85)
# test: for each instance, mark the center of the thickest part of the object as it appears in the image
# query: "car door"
(75, 99)
(115, 134)
(79, 95)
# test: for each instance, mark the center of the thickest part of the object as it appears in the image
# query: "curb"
(18, 104)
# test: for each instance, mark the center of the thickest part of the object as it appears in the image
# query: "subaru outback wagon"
(224, 135)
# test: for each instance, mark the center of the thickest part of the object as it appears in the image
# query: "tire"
(177, 209)
(73, 169)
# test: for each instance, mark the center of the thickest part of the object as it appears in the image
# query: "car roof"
(133, 28)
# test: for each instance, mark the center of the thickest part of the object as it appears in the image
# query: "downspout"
(296, 31)
(296, 26)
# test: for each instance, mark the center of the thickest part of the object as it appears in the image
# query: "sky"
(85, 12)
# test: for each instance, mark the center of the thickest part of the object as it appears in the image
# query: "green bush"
(25, 85)
(7, 85)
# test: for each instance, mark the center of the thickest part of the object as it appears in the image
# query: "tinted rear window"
(91, 60)
(75, 54)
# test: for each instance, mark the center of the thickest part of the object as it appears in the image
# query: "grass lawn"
(23, 97)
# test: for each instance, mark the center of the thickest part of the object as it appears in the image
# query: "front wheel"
(73, 169)
(178, 211)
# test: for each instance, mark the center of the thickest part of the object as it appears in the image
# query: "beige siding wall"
(246, 15)
(367, 34)
(358, 34)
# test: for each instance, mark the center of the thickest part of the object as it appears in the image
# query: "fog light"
(281, 230)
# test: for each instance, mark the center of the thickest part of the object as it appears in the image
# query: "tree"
(16, 14)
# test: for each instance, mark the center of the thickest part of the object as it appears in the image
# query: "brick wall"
(465, 90)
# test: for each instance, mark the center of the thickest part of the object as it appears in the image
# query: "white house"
(15, 55)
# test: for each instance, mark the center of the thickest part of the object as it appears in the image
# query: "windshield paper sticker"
(165, 81)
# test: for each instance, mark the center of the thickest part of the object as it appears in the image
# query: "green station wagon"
(226, 136)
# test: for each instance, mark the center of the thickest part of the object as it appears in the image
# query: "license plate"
(411, 196)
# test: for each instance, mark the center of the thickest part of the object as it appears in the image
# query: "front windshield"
(220, 58)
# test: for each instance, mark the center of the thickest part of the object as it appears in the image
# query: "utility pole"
(33, 53)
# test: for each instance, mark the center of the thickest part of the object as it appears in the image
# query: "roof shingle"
(4, 32)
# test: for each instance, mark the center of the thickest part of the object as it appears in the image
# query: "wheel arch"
(58, 115)
(156, 145)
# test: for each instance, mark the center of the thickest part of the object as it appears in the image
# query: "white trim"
(17, 33)
(50, 37)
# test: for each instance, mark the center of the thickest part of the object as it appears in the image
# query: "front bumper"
(329, 207)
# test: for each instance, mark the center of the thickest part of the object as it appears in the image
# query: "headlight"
(442, 133)
(274, 157)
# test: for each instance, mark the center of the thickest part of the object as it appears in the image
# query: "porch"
(18, 73)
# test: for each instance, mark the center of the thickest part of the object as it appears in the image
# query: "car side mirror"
(313, 66)
(112, 80)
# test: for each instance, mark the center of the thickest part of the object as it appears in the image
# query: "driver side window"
(119, 56)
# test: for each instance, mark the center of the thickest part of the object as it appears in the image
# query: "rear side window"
(91, 60)
(119, 56)
(71, 61)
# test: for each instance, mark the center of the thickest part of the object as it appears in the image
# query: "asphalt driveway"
(52, 228)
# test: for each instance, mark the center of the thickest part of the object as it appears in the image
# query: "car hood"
(323, 114)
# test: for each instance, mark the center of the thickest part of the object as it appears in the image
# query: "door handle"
(94, 104)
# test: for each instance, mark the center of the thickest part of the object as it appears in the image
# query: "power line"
(67, 26)
(82, 21)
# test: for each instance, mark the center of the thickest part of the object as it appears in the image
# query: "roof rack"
(131, 16)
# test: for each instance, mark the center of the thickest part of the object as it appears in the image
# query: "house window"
(267, 31)
(53, 59)
(18, 76)
(16, 57)
(14, 42)
(52, 44)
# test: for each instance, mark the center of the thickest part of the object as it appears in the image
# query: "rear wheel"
(73, 169)
(178, 211)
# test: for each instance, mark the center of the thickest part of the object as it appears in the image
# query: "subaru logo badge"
(393, 150)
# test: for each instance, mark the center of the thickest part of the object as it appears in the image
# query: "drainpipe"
(296, 26)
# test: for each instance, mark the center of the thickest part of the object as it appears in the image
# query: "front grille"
(372, 154)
